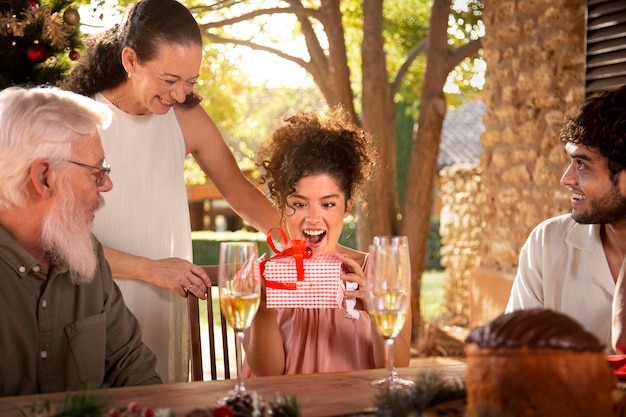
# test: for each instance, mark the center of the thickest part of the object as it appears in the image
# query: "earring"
(130, 75)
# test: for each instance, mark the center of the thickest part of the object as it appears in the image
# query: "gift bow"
(295, 248)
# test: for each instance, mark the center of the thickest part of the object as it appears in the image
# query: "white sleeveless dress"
(147, 214)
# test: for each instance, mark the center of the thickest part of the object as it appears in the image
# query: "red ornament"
(33, 3)
(222, 411)
(114, 412)
(134, 407)
(147, 412)
(37, 53)
(74, 55)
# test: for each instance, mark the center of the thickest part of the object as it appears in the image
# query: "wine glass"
(239, 280)
(388, 284)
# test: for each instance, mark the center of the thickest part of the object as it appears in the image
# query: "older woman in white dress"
(145, 69)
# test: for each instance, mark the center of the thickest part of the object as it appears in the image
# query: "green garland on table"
(84, 404)
(429, 390)
(87, 404)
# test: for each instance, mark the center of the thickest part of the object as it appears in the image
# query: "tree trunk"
(379, 120)
(337, 69)
(424, 151)
(330, 70)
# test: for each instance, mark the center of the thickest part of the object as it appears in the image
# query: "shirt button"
(43, 354)
(44, 303)
(36, 268)
(22, 269)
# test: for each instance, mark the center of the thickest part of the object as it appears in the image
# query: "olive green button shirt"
(58, 336)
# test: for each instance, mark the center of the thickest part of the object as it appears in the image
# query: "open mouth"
(314, 236)
(578, 197)
(165, 102)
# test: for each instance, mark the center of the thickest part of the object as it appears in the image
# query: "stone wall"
(535, 54)
(460, 230)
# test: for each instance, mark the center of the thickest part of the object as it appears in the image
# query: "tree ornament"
(37, 53)
(33, 3)
(71, 16)
(74, 55)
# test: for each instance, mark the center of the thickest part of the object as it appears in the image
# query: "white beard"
(67, 238)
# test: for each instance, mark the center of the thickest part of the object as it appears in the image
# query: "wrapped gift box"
(319, 287)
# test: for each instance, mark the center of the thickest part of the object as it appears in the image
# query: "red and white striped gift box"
(320, 287)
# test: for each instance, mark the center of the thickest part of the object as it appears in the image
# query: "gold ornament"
(71, 16)
(54, 30)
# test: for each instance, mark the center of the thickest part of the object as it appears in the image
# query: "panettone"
(532, 363)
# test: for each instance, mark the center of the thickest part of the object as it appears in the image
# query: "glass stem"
(240, 389)
(391, 370)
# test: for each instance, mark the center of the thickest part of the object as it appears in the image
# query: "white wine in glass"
(388, 282)
(239, 280)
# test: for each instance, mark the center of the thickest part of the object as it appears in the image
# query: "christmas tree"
(38, 41)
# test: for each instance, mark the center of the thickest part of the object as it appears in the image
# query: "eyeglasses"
(105, 170)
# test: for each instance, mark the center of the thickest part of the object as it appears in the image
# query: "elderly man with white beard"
(63, 321)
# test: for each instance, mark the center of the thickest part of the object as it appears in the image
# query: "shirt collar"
(584, 236)
(18, 258)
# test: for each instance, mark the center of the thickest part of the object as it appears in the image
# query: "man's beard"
(67, 239)
(611, 209)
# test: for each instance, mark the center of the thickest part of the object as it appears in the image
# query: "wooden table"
(318, 395)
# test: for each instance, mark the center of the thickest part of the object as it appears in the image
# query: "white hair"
(40, 123)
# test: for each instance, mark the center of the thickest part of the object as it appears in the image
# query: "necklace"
(113, 99)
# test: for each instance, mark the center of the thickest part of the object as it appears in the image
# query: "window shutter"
(606, 45)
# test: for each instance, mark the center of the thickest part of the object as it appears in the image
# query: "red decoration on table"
(222, 412)
(133, 407)
(147, 412)
(37, 53)
(618, 363)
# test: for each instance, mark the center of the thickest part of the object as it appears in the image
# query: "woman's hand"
(174, 274)
(355, 274)
(177, 275)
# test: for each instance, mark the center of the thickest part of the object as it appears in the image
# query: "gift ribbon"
(294, 248)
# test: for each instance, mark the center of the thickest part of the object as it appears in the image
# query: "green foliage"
(206, 244)
(404, 133)
(82, 404)
(38, 41)
(466, 24)
(285, 406)
(433, 245)
(246, 113)
(432, 295)
(431, 389)
(193, 173)
(406, 26)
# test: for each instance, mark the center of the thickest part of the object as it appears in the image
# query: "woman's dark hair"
(601, 124)
(147, 25)
(309, 145)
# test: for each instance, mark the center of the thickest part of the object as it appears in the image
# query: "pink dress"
(319, 340)
(324, 340)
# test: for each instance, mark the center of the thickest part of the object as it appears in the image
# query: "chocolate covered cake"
(538, 363)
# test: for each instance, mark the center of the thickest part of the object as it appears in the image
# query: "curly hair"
(600, 124)
(147, 25)
(309, 145)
